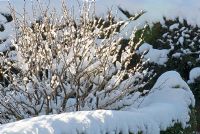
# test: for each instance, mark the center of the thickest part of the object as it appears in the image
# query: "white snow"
(168, 103)
(174, 26)
(2, 18)
(181, 40)
(194, 74)
(145, 47)
(176, 55)
(154, 55)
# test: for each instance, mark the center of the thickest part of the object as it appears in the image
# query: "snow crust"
(167, 103)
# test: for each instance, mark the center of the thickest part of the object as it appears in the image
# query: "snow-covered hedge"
(167, 104)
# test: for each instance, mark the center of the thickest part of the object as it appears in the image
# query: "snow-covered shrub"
(65, 65)
(182, 42)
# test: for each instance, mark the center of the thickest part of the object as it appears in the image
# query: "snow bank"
(168, 103)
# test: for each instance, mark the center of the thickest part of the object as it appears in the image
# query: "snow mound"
(154, 55)
(167, 103)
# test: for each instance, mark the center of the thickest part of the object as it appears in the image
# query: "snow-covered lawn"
(168, 103)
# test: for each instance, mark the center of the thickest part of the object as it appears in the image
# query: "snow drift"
(167, 103)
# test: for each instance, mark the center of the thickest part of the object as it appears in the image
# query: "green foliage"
(151, 35)
(195, 87)
(181, 64)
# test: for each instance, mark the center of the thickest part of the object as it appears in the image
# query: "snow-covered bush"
(65, 65)
(181, 41)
